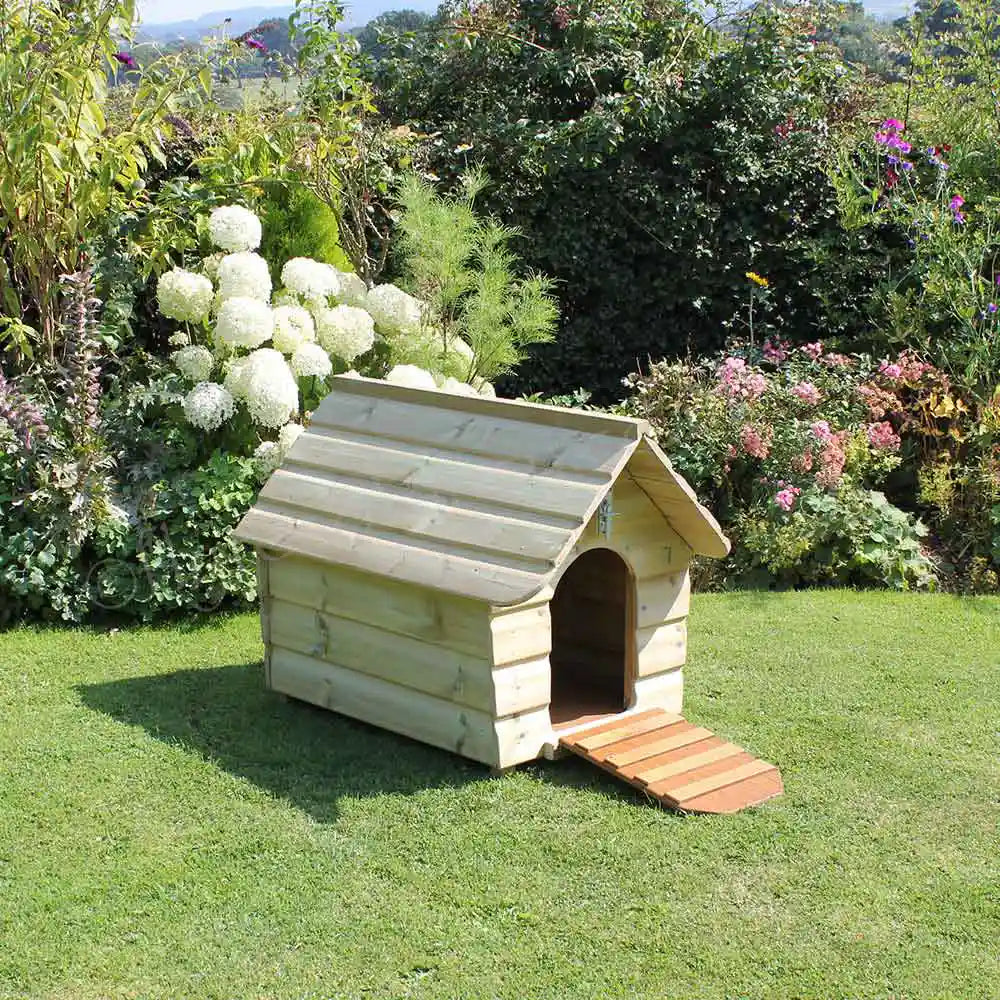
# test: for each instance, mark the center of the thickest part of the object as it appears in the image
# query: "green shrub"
(649, 162)
(788, 448)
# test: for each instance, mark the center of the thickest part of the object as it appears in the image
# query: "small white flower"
(235, 381)
(208, 406)
(411, 376)
(179, 339)
(234, 228)
(311, 279)
(311, 359)
(184, 295)
(459, 388)
(293, 327)
(244, 322)
(288, 435)
(345, 332)
(194, 363)
(268, 455)
(353, 291)
(270, 389)
(244, 275)
(393, 310)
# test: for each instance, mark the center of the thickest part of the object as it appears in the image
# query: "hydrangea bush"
(788, 447)
(260, 358)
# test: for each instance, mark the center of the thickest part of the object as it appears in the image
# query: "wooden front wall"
(449, 671)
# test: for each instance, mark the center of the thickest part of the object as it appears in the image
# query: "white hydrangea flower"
(311, 279)
(345, 331)
(208, 406)
(244, 322)
(184, 295)
(268, 455)
(194, 363)
(288, 435)
(458, 387)
(411, 376)
(393, 310)
(271, 393)
(311, 359)
(460, 347)
(179, 339)
(244, 275)
(234, 228)
(293, 327)
(235, 380)
(353, 291)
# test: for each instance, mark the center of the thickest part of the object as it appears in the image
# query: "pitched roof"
(474, 496)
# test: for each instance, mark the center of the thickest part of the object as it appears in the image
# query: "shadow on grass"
(306, 755)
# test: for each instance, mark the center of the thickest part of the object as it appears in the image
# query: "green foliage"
(71, 159)
(650, 162)
(297, 224)
(852, 536)
(462, 267)
(179, 553)
(788, 449)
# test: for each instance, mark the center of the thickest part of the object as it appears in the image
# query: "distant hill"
(358, 14)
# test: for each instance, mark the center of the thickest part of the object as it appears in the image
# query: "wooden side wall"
(397, 656)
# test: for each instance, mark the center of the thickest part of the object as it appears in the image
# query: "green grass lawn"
(169, 829)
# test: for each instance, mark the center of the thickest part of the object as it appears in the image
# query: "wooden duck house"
(497, 578)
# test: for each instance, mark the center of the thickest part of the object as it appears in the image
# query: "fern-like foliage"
(463, 267)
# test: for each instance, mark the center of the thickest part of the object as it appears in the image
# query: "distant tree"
(372, 37)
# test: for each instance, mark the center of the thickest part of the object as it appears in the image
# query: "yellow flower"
(757, 279)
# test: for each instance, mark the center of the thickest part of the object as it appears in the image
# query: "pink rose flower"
(754, 443)
(785, 498)
(883, 437)
(821, 431)
(814, 350)
(807, 392)
(891, 371)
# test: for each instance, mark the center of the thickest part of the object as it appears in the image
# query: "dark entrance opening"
(592, 638)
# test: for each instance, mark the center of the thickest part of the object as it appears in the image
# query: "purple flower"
(893, 159)
(125, 58)
(256, 43)
(22, 416)
(992, 307)
(956, 203)
(906, 165)
(893, 123)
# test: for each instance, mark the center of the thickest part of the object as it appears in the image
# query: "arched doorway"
(592, 638)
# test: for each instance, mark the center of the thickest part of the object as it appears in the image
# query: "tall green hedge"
(650, 162)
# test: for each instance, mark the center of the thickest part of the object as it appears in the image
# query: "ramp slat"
(680, 765)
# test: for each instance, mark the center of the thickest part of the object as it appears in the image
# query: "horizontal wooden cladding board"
(521, 634)
(399, 659)
(664, 691)
(541, 491)
(498, 432)
(370, 508)
(523, 737)
(663, 598)
(374, 700)
(660, 648)
(452, 622)
(397, 558)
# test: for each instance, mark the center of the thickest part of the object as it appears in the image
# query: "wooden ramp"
(676, 762)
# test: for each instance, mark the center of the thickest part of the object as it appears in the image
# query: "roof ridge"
(563, 417)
